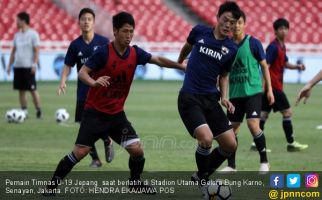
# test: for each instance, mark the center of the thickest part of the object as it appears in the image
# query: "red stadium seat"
(261, 14)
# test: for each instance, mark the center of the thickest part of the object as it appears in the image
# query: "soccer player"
(109, 73)
(277, 59)
(212, 54)
(78, 52)
(245, 90)
(24, 58)
(305, 92)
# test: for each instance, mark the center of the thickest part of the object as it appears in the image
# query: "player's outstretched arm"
(165, 62)
(63, 79)
(84, 76)
(223, 86)
(186, 49)
(305, 92)
(268, 83)
(296, 66)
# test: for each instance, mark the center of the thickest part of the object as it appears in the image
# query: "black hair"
(86, 10)
(123, 18)
(243, 15)
(230, 6)
(24, 16)
(280, 22)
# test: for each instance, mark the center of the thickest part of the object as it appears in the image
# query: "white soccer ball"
(219, 191)
(61, 115)
(15, 116)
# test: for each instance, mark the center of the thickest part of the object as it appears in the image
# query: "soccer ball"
(61, 115)
(219, 191)
(15, 116)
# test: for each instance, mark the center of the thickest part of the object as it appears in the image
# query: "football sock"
(260, 142)
(136, 165)
(64, 167)
(288, 129)
(232, 158)
(262, 123)
(203, 159)
(217, 157)
(93, 153)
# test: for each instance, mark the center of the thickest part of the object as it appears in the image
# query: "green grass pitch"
(38, 145)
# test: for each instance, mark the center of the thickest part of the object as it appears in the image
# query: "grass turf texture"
(37, 145)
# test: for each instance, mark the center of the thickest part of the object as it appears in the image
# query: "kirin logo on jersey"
(95, 47)
(224, 50)
(210, 52)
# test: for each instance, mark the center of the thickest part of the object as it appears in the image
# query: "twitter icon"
(293, 180)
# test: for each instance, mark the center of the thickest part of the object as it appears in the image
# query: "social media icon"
(293, 180)
(277, 180)
(311, 180)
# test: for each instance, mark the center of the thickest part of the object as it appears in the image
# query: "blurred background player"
(78, 52)
(24, 58)
(212, 54)
(277, 59)
(245, 90)
(305, 92)
(112, 70)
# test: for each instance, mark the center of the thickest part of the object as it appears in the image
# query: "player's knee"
(135, 149)
(206, 141)
(287, 113)
(81, 151)
(253, 126)
(232, 146)
(229, 145)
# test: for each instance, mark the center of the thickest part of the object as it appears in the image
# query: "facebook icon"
(277, 180)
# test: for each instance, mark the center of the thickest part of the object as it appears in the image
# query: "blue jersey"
(272, 53)
(256, 48)
(208, 59)
(78, 52)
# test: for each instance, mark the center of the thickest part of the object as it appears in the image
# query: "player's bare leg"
(231, 167)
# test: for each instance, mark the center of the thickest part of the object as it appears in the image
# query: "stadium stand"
(52, 22)
(305, 17)
(158, 23)
(154, 20)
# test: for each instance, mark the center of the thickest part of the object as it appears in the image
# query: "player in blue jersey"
(212, 54)
(78, 52)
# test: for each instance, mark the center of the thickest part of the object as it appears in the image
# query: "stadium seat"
(260, 15)
(46, 18)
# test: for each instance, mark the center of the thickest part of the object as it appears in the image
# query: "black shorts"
(79, 110)
(96, 125)
(251, 105)
(196, 110)
(23, 79)
(281, 102)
